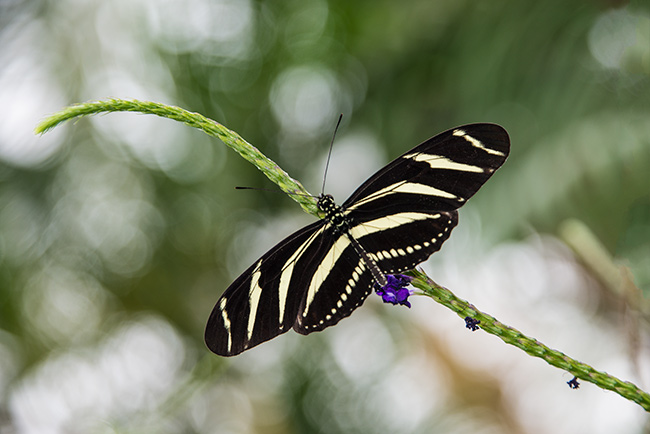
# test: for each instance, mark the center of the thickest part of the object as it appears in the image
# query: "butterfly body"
(392, 222)
(333, 213)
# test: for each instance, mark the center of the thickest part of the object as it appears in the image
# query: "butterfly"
(394, 221)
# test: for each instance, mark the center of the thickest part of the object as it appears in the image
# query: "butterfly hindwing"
(405, 239)
(336, 285)
(345, 281)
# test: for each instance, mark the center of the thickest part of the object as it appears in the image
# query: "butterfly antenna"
(329, 155)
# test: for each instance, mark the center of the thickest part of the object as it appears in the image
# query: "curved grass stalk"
(233, 140)
(530, 345)
(295, 190)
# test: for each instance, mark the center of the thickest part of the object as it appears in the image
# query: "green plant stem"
(250, 153)
(300, 195)
(532, 346)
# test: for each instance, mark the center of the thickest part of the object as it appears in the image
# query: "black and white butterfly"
(392, 222)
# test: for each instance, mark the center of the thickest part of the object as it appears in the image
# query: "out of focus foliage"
(119, 232)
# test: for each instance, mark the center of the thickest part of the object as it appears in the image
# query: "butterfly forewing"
(263, 302)
(440, 174)
(393, 221)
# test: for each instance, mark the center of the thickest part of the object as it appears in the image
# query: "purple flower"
(395, 291)
(574, 384)
(472, 323)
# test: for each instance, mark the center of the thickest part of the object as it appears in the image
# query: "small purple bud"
(574, 384)
(472, 323)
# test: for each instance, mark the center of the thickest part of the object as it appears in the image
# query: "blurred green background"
(118, 233)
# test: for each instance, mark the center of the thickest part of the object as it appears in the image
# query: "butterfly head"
(326, 203)
(333, 213)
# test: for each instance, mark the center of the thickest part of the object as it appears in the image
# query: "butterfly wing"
(399, 216)
(263, 301)
(440, 174)
(337, 281)
(403, 213)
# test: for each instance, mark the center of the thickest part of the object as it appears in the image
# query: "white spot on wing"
(408, 188)
(388, 222)
(440, 162)
(254, 294)
(324, 269)
(477, 143)
(226, 321)
(287, 272)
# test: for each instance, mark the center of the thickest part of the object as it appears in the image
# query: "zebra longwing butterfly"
(395, 220)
